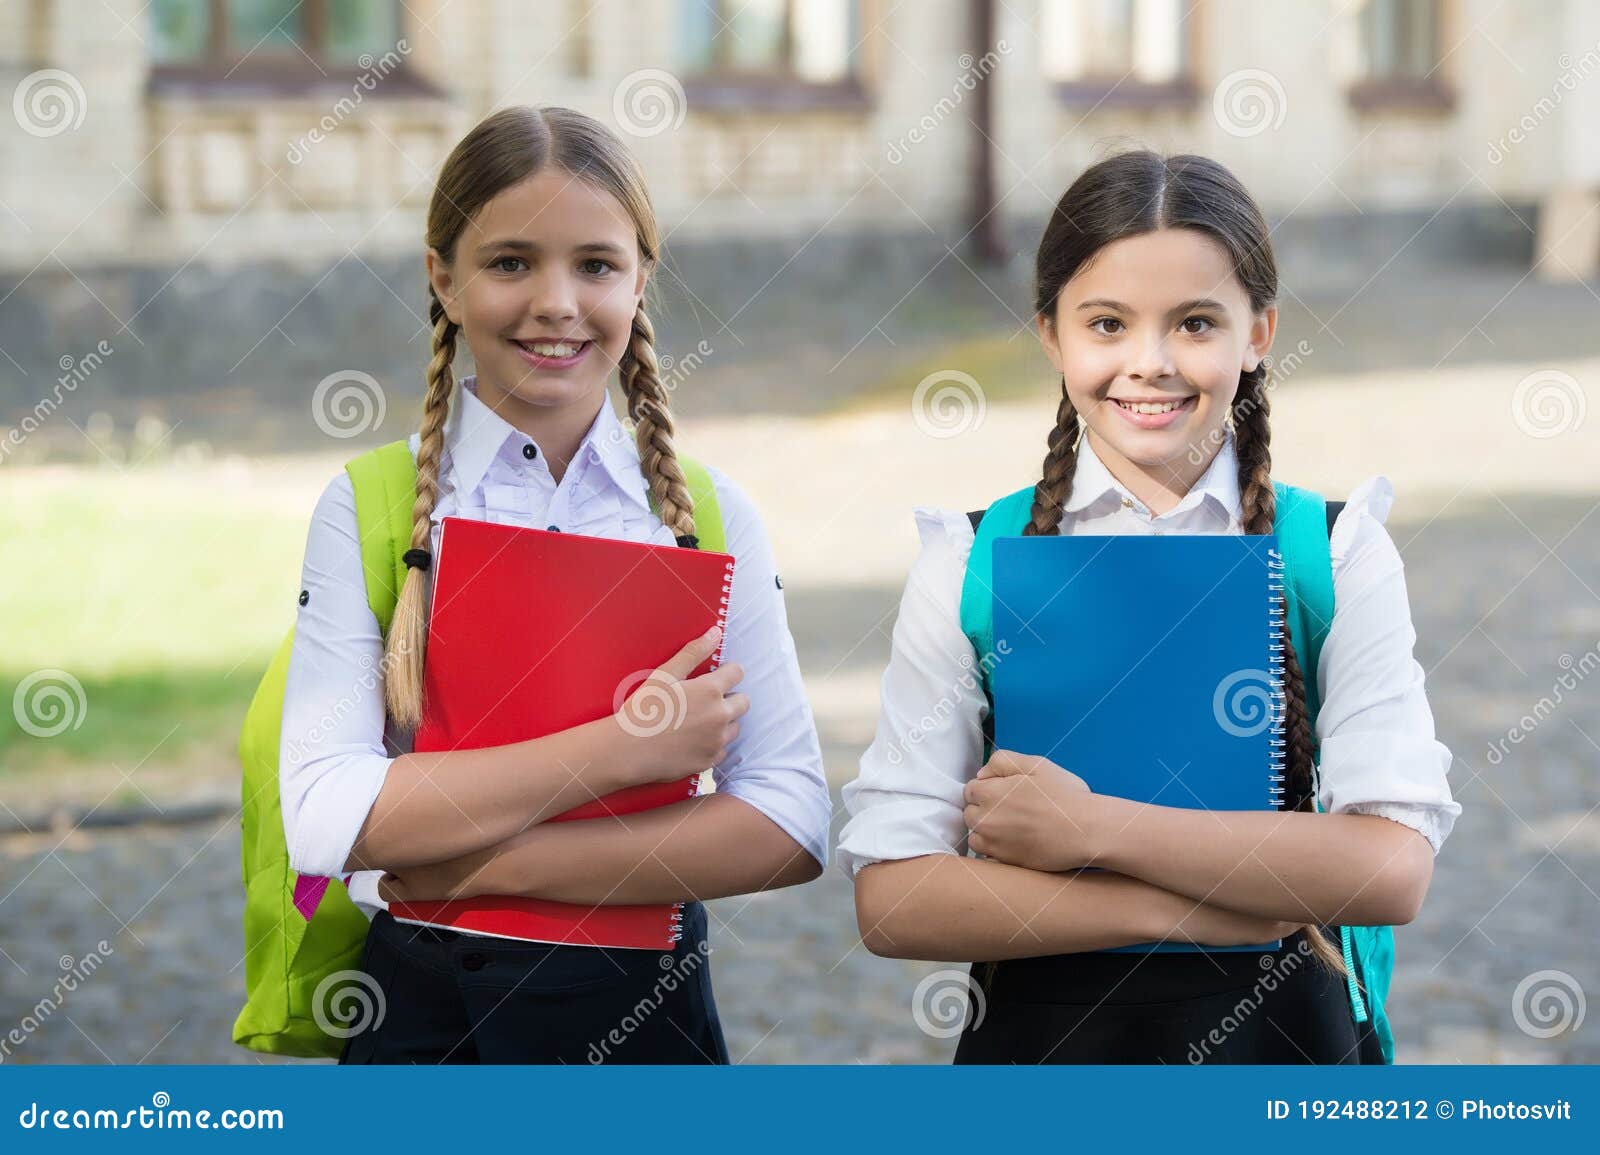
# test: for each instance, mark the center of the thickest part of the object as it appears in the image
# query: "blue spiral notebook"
(1151, 667)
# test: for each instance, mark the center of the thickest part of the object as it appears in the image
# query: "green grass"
(164, 609)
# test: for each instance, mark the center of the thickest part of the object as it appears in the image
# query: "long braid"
(403, 655)
(1259, 504)
(1060, 463)
(647, 407)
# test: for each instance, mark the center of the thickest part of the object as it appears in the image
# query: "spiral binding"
(675, 935)
(1277, 616)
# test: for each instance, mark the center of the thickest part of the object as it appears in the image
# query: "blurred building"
(154, 131)
(168, 159)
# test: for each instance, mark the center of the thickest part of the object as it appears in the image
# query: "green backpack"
(1303, 523)
(303, 936)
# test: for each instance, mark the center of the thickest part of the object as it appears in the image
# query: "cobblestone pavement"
(1505, 605)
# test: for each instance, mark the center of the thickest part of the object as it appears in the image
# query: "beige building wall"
(163, 177)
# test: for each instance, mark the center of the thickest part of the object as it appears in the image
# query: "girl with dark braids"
(1155, 304)
(540, 244)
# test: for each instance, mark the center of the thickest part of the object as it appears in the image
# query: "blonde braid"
(408, 632)
(1060, 463)
(647, 407)
(1259, 505)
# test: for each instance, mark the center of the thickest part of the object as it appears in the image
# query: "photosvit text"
(1561, 1109)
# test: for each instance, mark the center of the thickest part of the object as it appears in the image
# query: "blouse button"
(553, 528)
(529, 451)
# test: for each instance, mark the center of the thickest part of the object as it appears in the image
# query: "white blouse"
(1378, 750)
(337, 742)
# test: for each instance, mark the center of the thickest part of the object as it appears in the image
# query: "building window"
(280, 43)
(1118, 51)
(1400, 53)
(785, 52)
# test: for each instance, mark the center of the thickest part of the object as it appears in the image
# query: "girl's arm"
(1356, 869)
(438, 806)
(1326, 868)
(957, 909)
(707, 847)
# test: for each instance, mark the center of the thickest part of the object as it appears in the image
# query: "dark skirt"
(1165, 1007)
(458, 998)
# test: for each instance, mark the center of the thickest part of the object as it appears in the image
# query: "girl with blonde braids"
(1155, 305)
(540, 243)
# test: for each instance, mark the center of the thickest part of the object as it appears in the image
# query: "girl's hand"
(1027, 811)
(675, 725)
(1209, 925)
(435, 881)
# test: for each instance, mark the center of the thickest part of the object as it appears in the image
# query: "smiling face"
(1151, 336)
(544, 282)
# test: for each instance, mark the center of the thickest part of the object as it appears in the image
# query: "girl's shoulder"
(1359, 533)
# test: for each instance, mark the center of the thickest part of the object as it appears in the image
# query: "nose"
(1152, 361)
(554, 300)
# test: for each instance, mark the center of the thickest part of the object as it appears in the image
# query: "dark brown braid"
(1258, 502)
(1060, 463)
(647, 407)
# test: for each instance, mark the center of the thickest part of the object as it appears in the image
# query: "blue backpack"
(1302, 525)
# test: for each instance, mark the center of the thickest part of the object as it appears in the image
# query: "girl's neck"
(557, 430)
(1160, 487)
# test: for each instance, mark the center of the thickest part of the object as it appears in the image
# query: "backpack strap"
(385, 483)
(1303, 525)
(708, 528)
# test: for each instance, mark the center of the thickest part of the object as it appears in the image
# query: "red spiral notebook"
(532, 632)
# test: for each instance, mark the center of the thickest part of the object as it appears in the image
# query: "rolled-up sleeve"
(775, 763)
(1379, 753)
(907, 800)
(332, 757)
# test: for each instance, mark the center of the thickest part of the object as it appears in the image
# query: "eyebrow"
(1185, 307)
(517, 244)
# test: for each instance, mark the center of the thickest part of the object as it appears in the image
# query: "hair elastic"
(417, 558)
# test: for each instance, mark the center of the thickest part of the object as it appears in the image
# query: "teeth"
(550, 348)
(1149, 407)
